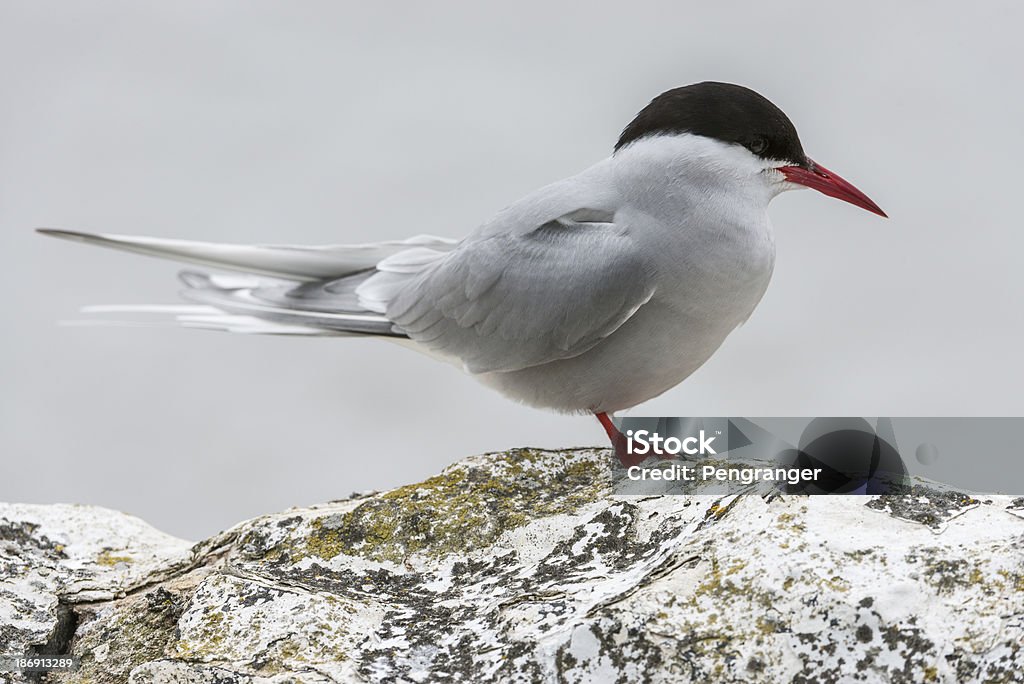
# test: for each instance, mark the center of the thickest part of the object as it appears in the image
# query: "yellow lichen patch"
(736, 567)
(107, 558)
(836, 583)
(464, 507)
(786, 522)
(1014, 580)
(766, 626)
(208, 640)
(717, 509)
(717, 584)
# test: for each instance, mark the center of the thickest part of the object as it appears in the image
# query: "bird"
(592, 294)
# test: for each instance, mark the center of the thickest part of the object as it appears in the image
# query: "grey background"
(322, 122)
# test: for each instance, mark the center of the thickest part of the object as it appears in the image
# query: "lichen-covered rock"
(523, 566)
(56, 559)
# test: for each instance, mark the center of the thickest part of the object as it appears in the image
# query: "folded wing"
(513, 300)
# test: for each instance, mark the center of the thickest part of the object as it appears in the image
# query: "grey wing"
(509, 301)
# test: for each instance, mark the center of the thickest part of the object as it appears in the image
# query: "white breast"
(699, 209)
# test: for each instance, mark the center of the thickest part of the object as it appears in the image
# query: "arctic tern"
(592, 294)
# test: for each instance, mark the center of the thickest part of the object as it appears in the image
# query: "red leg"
(618, 440)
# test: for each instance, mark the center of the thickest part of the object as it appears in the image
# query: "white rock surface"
(522, 566)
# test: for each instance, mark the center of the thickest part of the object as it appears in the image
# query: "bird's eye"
(757, 145)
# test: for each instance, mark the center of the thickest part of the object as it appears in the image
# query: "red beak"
(821, 179)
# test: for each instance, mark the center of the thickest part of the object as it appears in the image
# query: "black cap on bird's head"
(738, 116)
(723, 111)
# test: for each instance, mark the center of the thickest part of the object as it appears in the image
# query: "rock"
(522, 566)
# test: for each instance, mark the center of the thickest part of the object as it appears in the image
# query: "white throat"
(696, 171)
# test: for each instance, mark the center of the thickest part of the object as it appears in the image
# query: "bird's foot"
(619, 442)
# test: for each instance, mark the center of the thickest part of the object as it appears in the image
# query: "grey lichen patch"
(25, 535)
(262, 629)
(925, 505)
(950, 574)
(464, 508)
(115, 639)
(609, 643)
(912, 645)
(946, 574)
